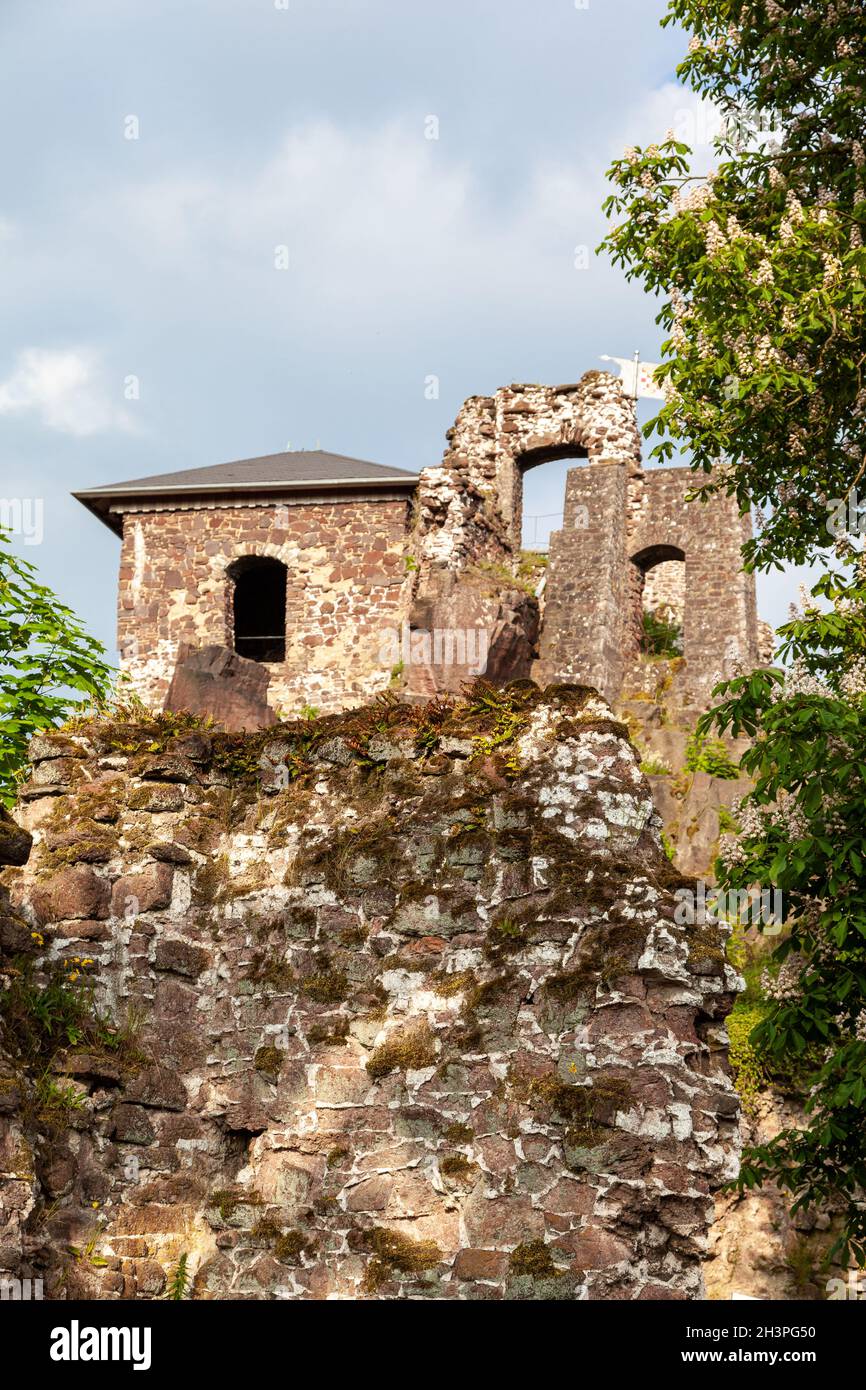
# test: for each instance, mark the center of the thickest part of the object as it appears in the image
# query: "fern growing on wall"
(179, 1282)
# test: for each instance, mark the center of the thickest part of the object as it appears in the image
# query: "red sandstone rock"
(73, 893)
(216, 681)
(147, 891)
(15, 843)
(181, 957)
(481, 1264)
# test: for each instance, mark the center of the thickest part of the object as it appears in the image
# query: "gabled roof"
(311, 469)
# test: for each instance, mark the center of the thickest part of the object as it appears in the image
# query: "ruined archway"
(719, 617)
(543, 477)
(468, 533)
(469, 507)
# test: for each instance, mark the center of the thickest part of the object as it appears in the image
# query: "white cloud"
(381, 225)
(692, 118)
(387, 233)
(65, 388)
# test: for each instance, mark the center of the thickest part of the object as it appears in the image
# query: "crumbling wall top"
(469, 507)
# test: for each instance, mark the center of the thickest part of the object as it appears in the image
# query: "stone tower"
(294, 561)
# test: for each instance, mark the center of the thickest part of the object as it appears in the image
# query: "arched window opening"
(544, 474)
(259, 608)
(545, 506)
(660, 600)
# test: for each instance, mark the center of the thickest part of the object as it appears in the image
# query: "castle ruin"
(396, 1001)
(311, 564)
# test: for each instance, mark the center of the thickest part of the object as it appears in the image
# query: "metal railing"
(530, 539)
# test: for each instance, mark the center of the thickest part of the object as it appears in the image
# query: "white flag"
(637, 378)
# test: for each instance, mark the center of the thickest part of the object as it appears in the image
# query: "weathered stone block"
(147, 891)
(158, 1087)
(75, 893)
(15, 843)
(181, 957)
(131, 1125)
(216, 681)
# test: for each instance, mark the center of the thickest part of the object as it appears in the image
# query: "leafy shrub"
(710, 755)
(661, 636)
(45, 658)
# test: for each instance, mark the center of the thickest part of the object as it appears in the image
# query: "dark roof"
(314, 469)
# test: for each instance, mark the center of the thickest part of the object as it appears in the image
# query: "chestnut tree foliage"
(760, 271)
(47, 664)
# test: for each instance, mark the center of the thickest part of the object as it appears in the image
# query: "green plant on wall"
(750, 1077)
(655, 767)
(710, 755)
(47, 1010)
(728, 824)
(661, 636)
(179, 1280)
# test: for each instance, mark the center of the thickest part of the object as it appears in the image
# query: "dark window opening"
(259, 608)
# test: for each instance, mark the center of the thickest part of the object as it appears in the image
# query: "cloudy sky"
(225, 230)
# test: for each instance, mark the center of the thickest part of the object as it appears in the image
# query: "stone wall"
(19, 1188)
(469, 510)
(616, 530)
(402, 1011)
(759, 1246)
(619, 523)
(470, 507)
(664, 589)
(720, 624)
(347, 588)
(587, 593)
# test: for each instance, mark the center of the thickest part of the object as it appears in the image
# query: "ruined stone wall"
(616, 530)
(720, 615)
(469, 508)
(407, 1012)
(375, 598)
(587, 589)
(620, 523)
(346, 589)
(665, 588)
